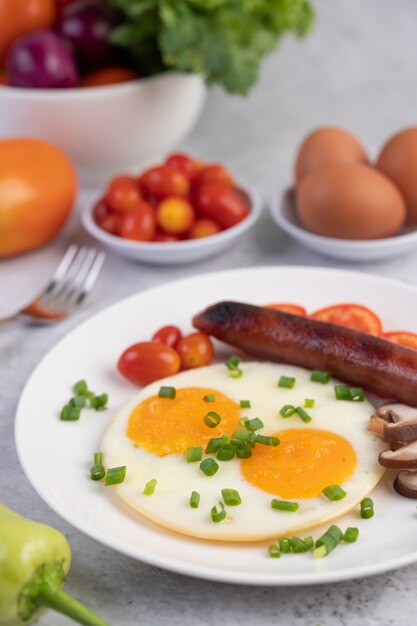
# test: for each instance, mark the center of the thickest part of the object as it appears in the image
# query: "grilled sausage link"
(357, 358)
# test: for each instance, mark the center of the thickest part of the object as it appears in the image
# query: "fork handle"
(11, 318)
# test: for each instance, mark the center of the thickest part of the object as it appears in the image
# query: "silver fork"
(71, 283)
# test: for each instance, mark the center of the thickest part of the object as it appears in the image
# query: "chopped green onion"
(367, 508)
(78, 401)
(194, 499)
(115, 475)
(209, 467)
(287, 410)
(274, 552)
(231, 497)
(298, 546)
(232, 365)
(70, 413)
(267, 441)
(309, 403)
(309, 543)
(218, 516)
(167, 392)
(284, 505)
(284, 545)
(226, 452)
(352, 394)
(242, 434)
(212, 419)
(80, 388)
(245, 404)
(334, 493)
(209, 398)
(318, 376)
(97, 472)
(214, 445)
(327, 542)
(303, 414)
(194, 454)
(99, 402)
(244, 451)
(150, 487)
(351, 534)
(286, 381)
(254, 424)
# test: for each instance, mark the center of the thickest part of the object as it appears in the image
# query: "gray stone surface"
(358, 70)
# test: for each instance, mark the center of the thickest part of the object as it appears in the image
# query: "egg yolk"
(164, 426)
(305, 462)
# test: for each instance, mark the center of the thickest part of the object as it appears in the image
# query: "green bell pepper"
(34, 559)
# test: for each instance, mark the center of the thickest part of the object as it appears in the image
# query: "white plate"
(56, 455)
(177, 252)
(283, 213)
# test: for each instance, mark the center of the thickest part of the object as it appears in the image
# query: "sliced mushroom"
(376, 425)
(406, 484)
(404, 422)
(404, 457)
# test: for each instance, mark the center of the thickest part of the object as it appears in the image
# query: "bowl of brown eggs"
(343, 206)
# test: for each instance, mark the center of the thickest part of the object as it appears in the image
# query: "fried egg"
(151, 436)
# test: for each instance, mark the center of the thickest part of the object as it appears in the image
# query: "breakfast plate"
(56, 456)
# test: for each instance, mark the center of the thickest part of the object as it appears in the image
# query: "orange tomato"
(175, 215)
(353, 316)
(195, 350)
(22, 16)
(108, 76)
(37, 191)
(203, 228)
(403, 337)
(295, 309)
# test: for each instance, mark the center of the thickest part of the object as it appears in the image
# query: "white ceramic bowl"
(283, 213)
(176, 252)
(106, 128)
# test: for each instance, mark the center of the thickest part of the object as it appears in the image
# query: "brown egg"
(327, 146)
(398, 161)
(350, 202)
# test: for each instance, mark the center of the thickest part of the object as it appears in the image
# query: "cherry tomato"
(170, 335)
(138, 224)
(353, 316)
(402, 337)
(108, 76)
(295, 309)
(203, 228)
(184, 164)
(223, 204)
(175, 215)
(105, 217)
(195, 350)
(161, 237)
(216, 174)
(147, 361)
(3, 79)
(123, 193)
(163, 181)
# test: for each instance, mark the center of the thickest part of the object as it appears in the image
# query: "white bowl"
(175, 252)
(284, 214)
(106, 128)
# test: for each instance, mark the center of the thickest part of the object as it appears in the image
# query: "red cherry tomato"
(203, 228)
(123, 193)
(402, 337)
(104, 217)
(195, 350)
(170, 335)
(215, 173)
(295, 309)
(162, 237)
(223, 204)
(354, 316)
(175, 215)
(147, 361)
(163, 181)
(184, 164)
(138, 224)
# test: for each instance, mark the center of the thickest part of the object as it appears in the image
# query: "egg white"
(254, 519)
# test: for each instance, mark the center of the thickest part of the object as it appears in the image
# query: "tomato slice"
(403, 337)
(354, 316)
(295, 309)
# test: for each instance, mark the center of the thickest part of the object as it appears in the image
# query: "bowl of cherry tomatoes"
(178, 211)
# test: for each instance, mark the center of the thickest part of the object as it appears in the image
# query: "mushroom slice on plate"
(404, 457)
(403, 422)
(406, 483)
(376, 425)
